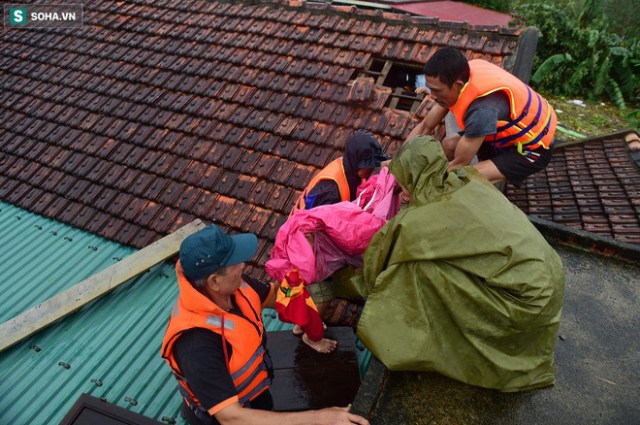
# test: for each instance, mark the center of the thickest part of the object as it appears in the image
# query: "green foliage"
(634, 118)
(623, 17)
(577, 54)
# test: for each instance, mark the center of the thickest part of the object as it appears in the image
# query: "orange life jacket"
(532, 120)
(244, 332)
(334, 172)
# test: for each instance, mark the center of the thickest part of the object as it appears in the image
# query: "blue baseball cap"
(210, 249)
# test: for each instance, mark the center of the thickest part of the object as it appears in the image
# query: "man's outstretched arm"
(435, 115)
(466, 149)
(236, 414)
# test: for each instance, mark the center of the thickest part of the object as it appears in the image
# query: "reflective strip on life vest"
(524, 113)
(259, 388)
(249, 380)
(217, 321)
(248, 364)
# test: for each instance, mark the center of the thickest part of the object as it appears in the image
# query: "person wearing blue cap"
(215, 342)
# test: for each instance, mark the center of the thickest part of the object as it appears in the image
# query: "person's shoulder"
(323, 186)
(196, 336)
(492, 101)
(260, 287)
(325, 192)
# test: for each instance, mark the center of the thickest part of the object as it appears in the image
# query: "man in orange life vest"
(215, 342)
(504, 122)
(339, 180)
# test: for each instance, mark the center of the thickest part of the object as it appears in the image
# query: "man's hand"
(435, 115)
(338, 415)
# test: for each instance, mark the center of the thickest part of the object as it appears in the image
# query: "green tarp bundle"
(460, 282)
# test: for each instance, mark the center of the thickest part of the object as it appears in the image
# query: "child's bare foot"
(323, 346)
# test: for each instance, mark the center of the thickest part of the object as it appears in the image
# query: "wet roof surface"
(110, 348)
(158, 112)
(593, 185)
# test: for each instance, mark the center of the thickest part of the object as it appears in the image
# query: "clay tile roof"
(591, 185)
(157, 112)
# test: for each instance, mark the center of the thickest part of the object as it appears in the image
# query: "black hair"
(199, 284)
(449, 65)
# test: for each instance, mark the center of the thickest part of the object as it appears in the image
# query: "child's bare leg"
(298, 331)
(323, 346)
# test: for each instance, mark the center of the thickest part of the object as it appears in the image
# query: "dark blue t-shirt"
(483, 114)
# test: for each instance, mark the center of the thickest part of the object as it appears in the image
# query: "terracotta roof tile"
(174, 111)
(164, 219)
(129, 233)
(223, 206)
(321, 133)
(18, 194)
(85, 215)
(98, 221)
(188, 198)
(42, 202)
(218, 131)
(580, 188)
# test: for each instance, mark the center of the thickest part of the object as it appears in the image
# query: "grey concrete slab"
(597, 364)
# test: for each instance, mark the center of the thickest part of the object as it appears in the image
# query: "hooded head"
(421, 167)
(363, 152)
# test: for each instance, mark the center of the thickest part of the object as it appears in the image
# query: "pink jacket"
(341, 232)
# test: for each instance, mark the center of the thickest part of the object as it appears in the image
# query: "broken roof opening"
(402, 78)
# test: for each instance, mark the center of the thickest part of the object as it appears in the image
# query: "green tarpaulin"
(460, 282)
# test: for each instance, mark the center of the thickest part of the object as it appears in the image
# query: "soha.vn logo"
(20, 16)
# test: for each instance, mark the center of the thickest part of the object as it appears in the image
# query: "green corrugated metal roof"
(110, 348)
(41, 257)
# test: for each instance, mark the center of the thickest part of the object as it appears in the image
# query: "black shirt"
(483, 114)
(200, 356)
(326, 192)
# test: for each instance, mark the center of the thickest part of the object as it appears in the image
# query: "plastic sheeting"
(341, 233)
(460, 282)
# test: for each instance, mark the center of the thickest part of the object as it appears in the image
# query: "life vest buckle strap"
(524, 113)
(244, 384)
(501, 142)
(261, 386)
(193, 406)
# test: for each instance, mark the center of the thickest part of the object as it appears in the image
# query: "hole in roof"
(376, 65)
(402, 78)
